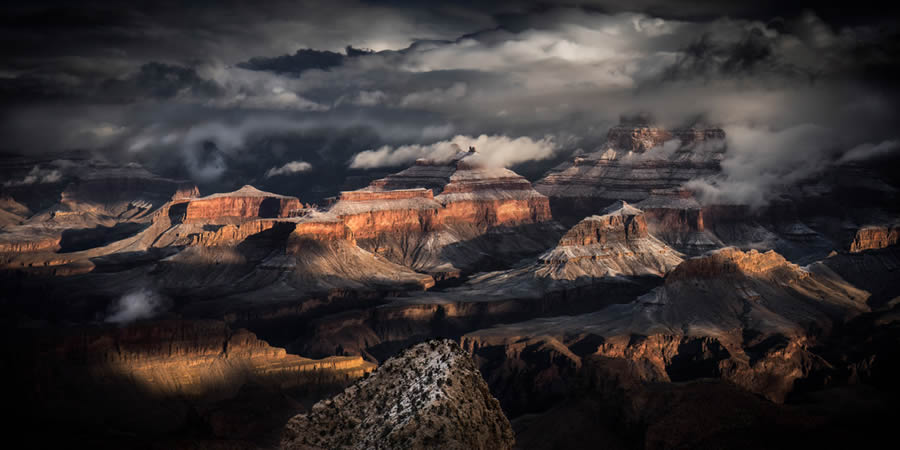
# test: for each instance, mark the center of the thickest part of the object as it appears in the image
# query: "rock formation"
(157, 377)
(605, 259)
(677, 218)
(429, 396)
(616, 242)
(875, 237)
(635, 161)
(747, 317)
(442, 217)
(244, 203)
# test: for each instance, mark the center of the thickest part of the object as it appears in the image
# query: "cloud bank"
(222, 100)
(496, 151)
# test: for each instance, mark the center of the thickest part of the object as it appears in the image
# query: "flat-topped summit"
(245, 203)
(245, 191)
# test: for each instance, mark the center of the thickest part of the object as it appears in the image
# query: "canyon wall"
(875, 237)
(245, 203)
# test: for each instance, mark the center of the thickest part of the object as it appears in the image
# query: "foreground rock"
(429, 396)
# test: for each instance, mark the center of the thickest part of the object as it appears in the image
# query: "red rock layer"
(12, 245)
(493, 213)
(875, 237)
(369, 214)
(245, 203)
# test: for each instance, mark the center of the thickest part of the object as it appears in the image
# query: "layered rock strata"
(152, 378)
(244, 203)
(746, 317)
(676, 217)
(436, 216)
(875, 237)
(634, 162)
(605, 259)
(429, 396)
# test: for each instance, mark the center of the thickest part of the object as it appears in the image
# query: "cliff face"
(614, 243)
(190, 358)
(875, 237)
(490, 197)
(158, 377)
(467, 191)
(747, 317)
(369, 214)
(245, 203)
(429, 396)
(634, 162)
(436, 216)
(678, 219)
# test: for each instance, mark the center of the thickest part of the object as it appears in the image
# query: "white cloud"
(136, 305)
(289, 169)
(36, 176)
(760, 161)
(868, 150)
(497, 151)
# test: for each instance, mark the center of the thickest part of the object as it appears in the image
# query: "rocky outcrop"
(151, 378)
(429, 396)
(875, 237)
(746, 317)
(462, 190)
(438, 216)
(635, 161)
(616, 242)
(242, 204)
(677, 218)
(181, 357)
(26, 241)
(371, 214)
(12, 212)
(104, 192)
(490, 197)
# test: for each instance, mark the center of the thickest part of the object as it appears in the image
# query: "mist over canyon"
(386, 224)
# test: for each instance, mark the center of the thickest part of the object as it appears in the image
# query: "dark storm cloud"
(228, 91)
(301, 61)
(161, 81)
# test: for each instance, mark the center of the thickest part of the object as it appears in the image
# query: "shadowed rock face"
(746, 317)
(150, 378)
(428, 396)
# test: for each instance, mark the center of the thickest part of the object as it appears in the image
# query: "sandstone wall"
(875, 237)
(216, 209)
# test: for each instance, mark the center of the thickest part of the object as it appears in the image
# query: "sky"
(299, 95)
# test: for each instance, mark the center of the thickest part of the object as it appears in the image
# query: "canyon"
(605, 301)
